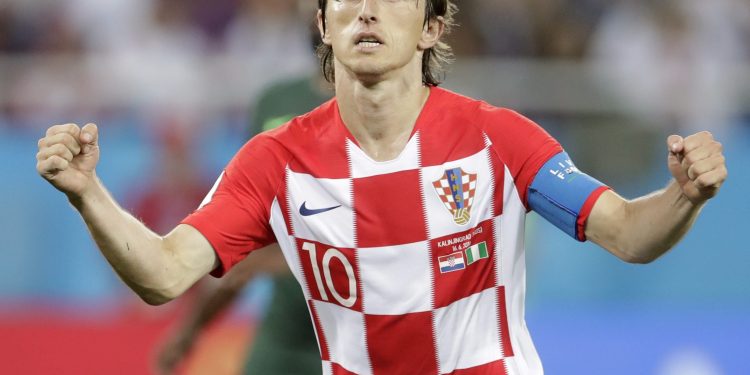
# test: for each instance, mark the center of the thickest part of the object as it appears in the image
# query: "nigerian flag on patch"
(476, 252)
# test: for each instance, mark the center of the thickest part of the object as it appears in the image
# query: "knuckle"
(46, 166)
(43, 153)
(59, 148)
(51, 139)
(701, 181)
(694, 170)
(43, 168)
(57, 129)
(59, 162)
(690, 144)
(69, 141)
(690, 159)
(67, 156)
(693, 174)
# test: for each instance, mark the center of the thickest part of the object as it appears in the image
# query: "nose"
(368, 11)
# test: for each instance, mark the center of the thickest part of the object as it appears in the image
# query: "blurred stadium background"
(171, 84)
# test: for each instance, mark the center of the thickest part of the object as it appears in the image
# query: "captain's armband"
(564, 195)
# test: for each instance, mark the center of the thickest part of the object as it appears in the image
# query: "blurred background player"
(284, 342)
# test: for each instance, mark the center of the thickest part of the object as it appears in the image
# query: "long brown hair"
(434, 59)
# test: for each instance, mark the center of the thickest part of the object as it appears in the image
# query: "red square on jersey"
(464, 263)
(496, 367)
(441, 142)
(405, 343)
(331, 274)
(389, 209)
(336, 369)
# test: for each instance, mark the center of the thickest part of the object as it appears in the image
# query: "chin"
(367, 71)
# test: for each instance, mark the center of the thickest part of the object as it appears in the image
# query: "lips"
(368, 39)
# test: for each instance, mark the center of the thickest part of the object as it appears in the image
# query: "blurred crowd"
(508, 28)
(184, 54)
(149, 53)
(196, 26)
(678, 64)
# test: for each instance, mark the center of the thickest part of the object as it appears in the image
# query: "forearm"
(643, 229)
(136, 253)
(157, 268)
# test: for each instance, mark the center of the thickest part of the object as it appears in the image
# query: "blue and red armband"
(564, 195)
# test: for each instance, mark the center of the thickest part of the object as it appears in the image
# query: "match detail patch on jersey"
(476, 252)
(456, 190)
(452, 262)
(460, 260)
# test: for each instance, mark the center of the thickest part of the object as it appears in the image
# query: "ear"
(431, 33)
(323, 29)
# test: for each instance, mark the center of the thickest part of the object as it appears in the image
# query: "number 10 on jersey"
(333, 274)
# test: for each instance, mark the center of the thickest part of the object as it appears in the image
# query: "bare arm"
(157, 268)
(641, 230)
(215, 298)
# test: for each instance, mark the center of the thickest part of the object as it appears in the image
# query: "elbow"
(631, 255)
(158, 296)
(638, 258)
(638, 255)
(634, 252)
(154, 299)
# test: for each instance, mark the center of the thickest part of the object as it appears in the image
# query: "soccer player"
(399, 206)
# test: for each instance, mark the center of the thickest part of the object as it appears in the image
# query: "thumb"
(675, 144)
(89, 137)
(90, 134)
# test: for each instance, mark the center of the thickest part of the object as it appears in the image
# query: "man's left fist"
(697, 164)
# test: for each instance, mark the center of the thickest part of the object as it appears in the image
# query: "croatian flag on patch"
(452, 262)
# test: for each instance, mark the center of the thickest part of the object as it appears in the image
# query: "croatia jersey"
(411, 266)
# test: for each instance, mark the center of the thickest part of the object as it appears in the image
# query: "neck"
(380, 112)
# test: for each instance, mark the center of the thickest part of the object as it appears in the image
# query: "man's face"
(375, 37)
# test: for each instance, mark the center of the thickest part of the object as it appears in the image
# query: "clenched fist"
(697, 164)
(68, 156)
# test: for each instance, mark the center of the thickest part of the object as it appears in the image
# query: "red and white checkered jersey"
(410, 266)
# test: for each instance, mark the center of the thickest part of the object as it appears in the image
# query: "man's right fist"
(68, 156)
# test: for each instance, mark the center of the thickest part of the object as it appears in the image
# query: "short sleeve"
(521, 144)
(235, 215)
